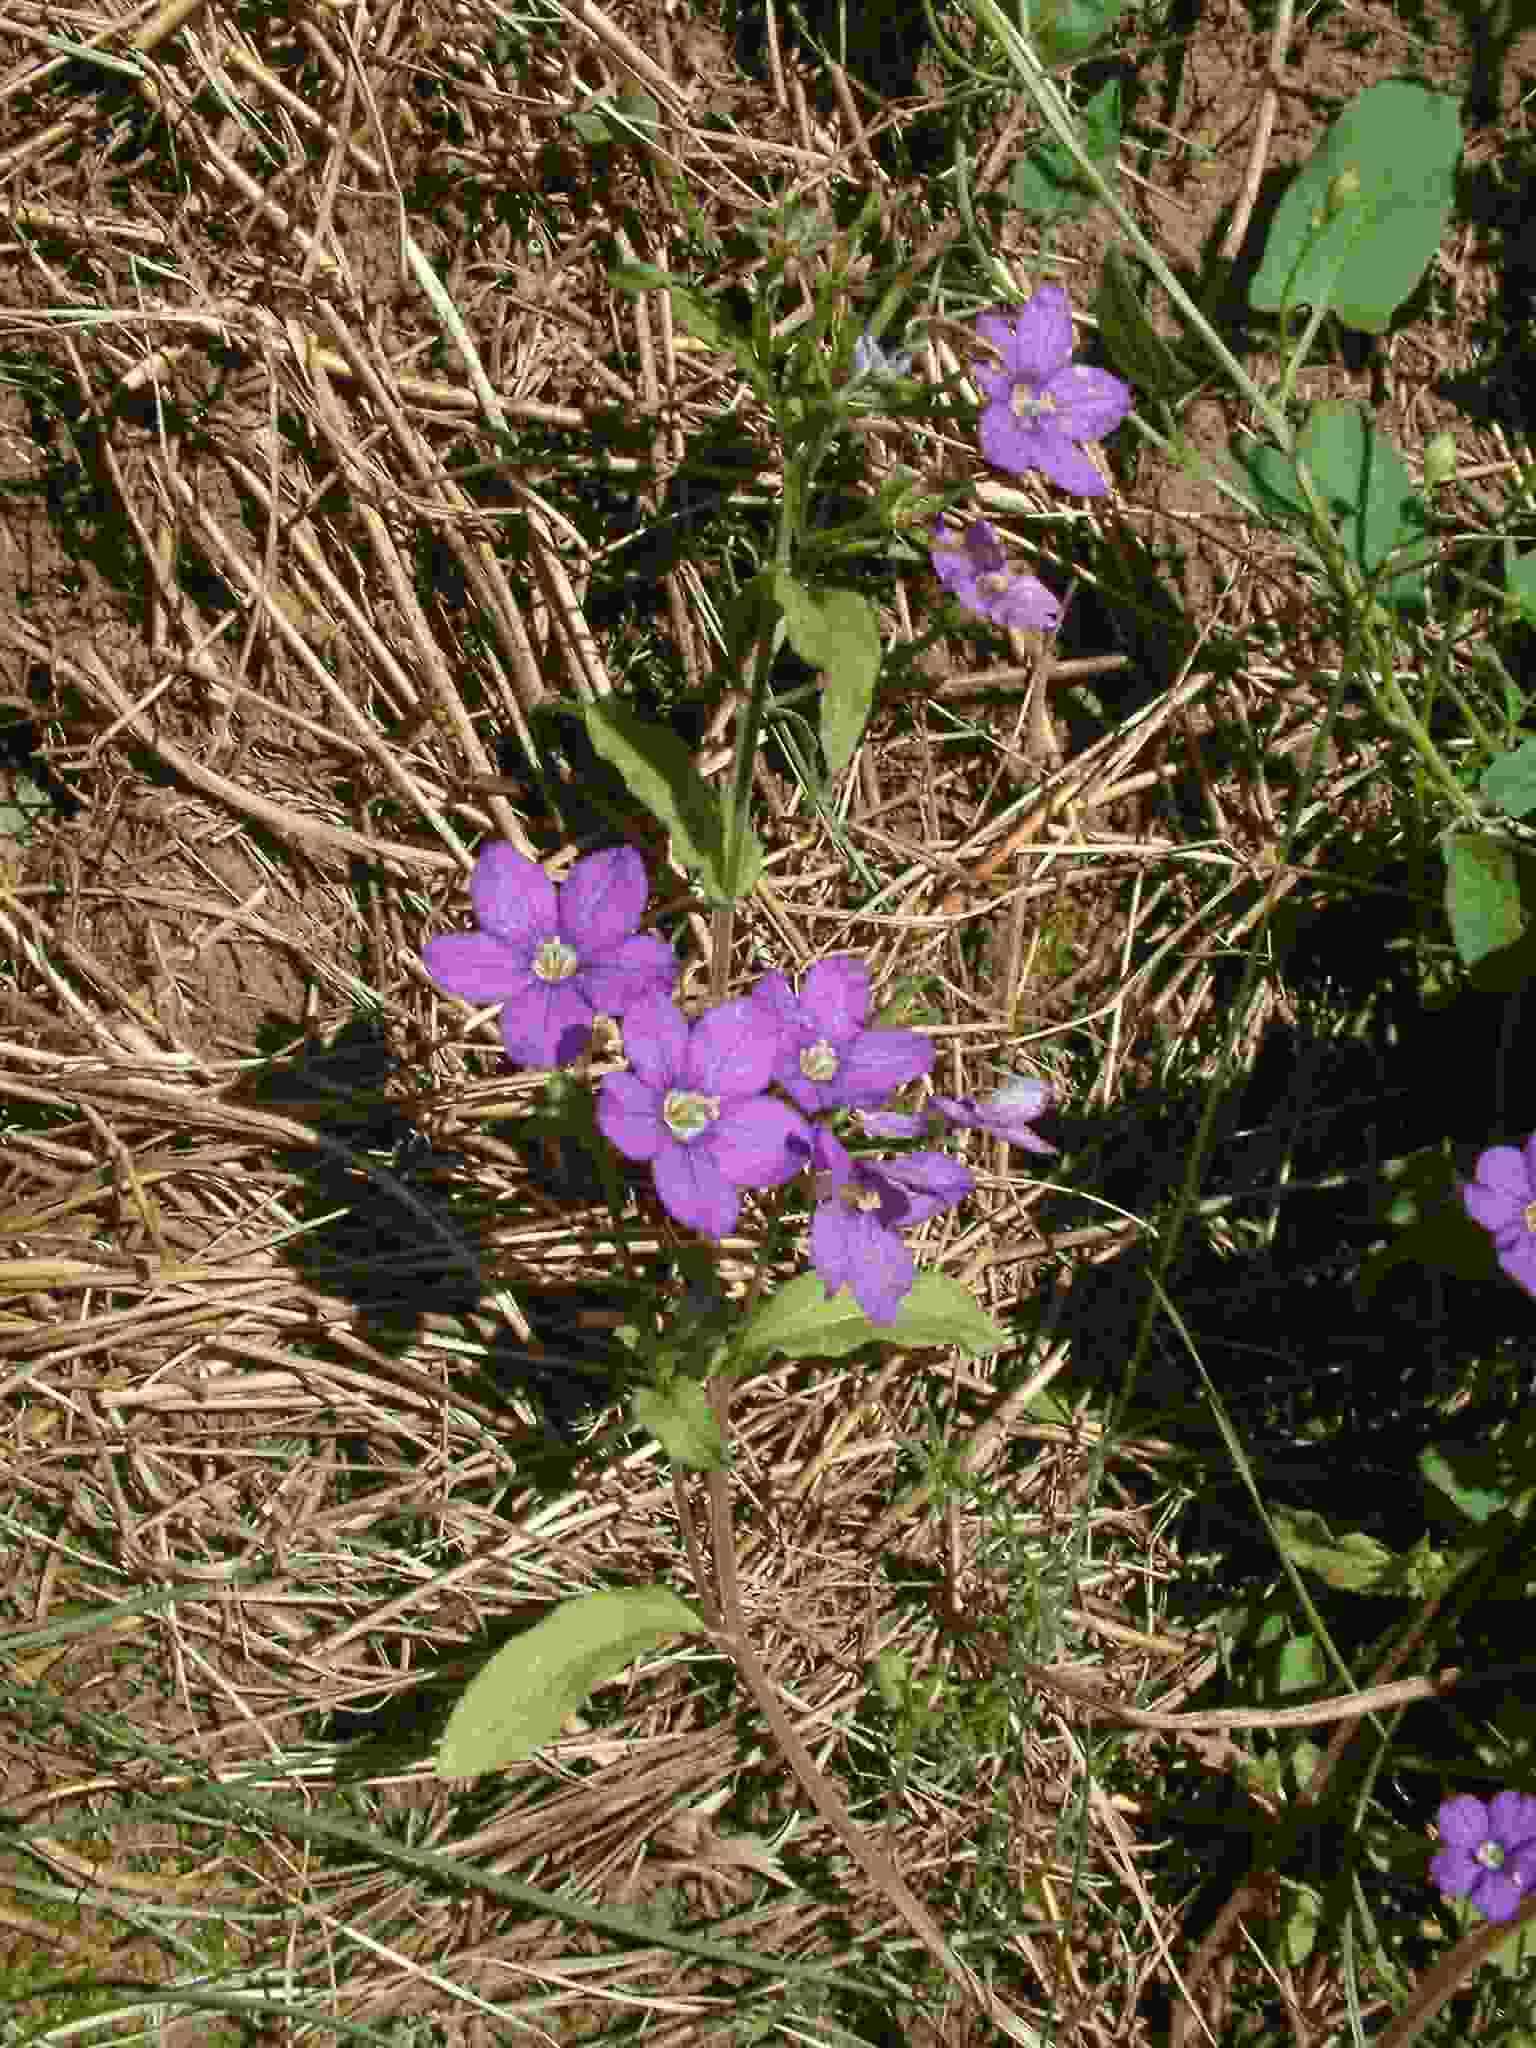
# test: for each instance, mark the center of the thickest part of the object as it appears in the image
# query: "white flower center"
(555, 960)
(686, 1114)
(1029, 405)
(994, 583)
(818, 1062)
(1490, 1855)
(1530, 1217)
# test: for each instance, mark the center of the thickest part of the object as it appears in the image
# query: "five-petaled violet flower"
(553, 953)
(970, 561)
(1040, 404)
(1008, 1115)
(1487, 1853)
(693, 1104)
(861, 1205)
(1502, 1198)
(827, 1058)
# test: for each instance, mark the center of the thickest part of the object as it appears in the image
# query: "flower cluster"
(1487, 1853)
(1041, 407)
(1502, 1198)
(696, 1101)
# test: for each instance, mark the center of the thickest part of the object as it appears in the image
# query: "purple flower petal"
(633, 970)
(1511, 1817)
(692, 1188)
(629, 1116)
(893, 1123)
(850, 1249)
(1089, 403)
(1041, 341)
(656, 1040)
(1463, 1822)
(549, 1026)
(1008, 1114)
(760, 1144)
(1493, 1208)
(1454, 1872)
(731, 1051)
(477, 967)
(877, 1063)
(1518, 1260)
(919, 1183)
(1018, 445)
(1496, 1895)
(602, 898)
(1502, 1170)
(830, 1160)
(513, 897)
(834, 998)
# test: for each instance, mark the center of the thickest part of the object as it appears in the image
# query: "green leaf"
(1482, 895)
(524, 1695)
(659, 772)
(1364, 483)
(801, 1321)
(682, 1422)
(1360, 224)
(1510, 781)
(1355, 1563)
(1520, 579)
(22, 805)
(1047, 182)
(1065, 30)
(1133, 344)
(1474, 1501)
(837, 632)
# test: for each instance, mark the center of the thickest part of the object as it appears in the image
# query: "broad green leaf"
(801, 1321)
(1354, 1563)
(1482, 895)
(1047, 182)
(837, 632)
(1065, 30)
(1365, 485)
(1132, 343)
(524, 1695)
(1520, 579)
(659, 772)
(1360, 224)
(682, 1422)
(1476, 1502)
(1510, 781)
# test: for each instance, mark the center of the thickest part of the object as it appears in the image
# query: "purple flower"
(860, 1207)
(1487, 1853)
(693, 1104)
(827, 1059)
(973, 565)
(1040, 403)
(1008, 1115)
(1502, 1198)
(553, 953)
